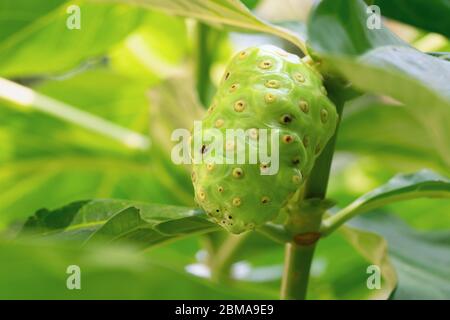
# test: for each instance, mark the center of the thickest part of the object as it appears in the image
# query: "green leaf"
(339, 27)
(403, 141)
(39, 269)
(145, 225)
(218, 12)
(421, 184)
(431, 15)
(374, 249)
(377, 61)
(22, 51)
(42, 155)
(421, 260)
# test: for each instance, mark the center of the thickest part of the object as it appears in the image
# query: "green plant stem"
(299, 255)
(224, 257)
(298, 261)
(203, 63)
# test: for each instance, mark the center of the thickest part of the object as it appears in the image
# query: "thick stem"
(306, 216)
(296, 271)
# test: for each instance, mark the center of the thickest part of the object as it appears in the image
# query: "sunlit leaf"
(218, 12)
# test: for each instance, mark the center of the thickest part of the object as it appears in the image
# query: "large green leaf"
(21, 48)
(377, 61)
(145, 225)
(339, 26)
(431, 15)
(403, 141)
(424, 183)
(19, 15)
(38, 270)
(218, 12)
(42, 155)
(421, 260)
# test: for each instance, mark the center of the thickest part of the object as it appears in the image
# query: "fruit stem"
(306, 218)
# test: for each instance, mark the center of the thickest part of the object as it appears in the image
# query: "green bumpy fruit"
(263, 88)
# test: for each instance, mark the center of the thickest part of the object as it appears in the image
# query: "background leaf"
(411, 253)
(107, 273)
(374, 59)
(430, 15)
(22, 53)
(222, 12)
(403, 141)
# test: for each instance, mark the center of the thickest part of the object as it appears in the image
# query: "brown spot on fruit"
(269, 97)
(234, 87)
(286, 118)
(304, 106)
(239, 106)
(238, 173)
(265, 64)
(299, 77)
(265, 200)
(288, 138)
(243, 54)
(219, 123)
(272, 84)
(236, 202)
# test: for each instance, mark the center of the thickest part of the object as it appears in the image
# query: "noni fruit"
(262, 88)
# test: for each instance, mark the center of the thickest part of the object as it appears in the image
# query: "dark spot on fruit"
(227, 75)
(238, 172)
(204, 149)
(288, 138)
(266, 64)
(296, 161)
(239, 106)
(286, 118)
(234, 87)
(269, 97)
(237, 202)
(272, 84)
